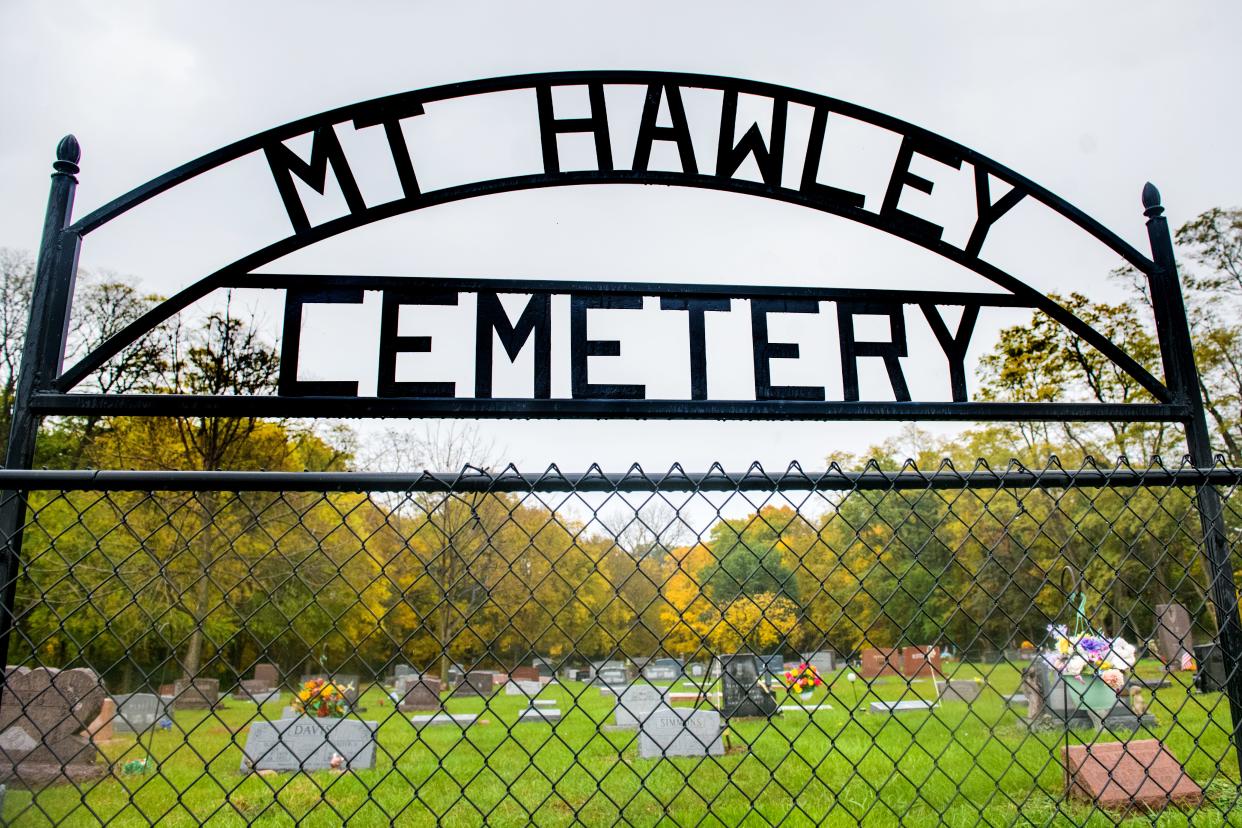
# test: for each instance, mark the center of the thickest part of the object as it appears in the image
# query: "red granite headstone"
(267, 673)
(880, 662)
(41, 716)
(524, 674)
(920, 662)
(1127, 775)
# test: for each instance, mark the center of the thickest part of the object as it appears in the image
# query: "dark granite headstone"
(1209, 668)
(201, 694)
(1054, 704)
(1174, 636)
(42, 715)
(744, 694)
(1123, 776)
(524, 673)
(267, 673)
(416, 693)
(476, 683)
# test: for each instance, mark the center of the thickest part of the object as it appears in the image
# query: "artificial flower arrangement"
(322, 698)
(802, 679)
(1076, 654)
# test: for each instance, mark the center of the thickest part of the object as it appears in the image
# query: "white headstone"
(681, 731)
(308, 743)
(540, 714)
(636, 703)
(900, 706)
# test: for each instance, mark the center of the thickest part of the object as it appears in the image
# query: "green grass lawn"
(963, 764)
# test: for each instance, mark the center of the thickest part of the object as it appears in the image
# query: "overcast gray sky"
(1089, 100)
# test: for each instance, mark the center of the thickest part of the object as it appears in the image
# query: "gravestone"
(907, 706)
(636, 703)
(681, 731)
(697, 670)
(919, 662)
(1124, 776)
(402, 670)
(524, 673)
(459, 719)
(256, 690)
(42, 714)
(267, 673)
(663, 669)
(476, 683)
(520, 687)
(201, 694)
(1209, 668)
(877, 662)
(772, 668)
(416, 692)
(959, 690)
(613, 673)
(307, 743)
(138, 712)
(744, 695)
(823, 661)
(101, 729)
(1174, 636)
(539, 712)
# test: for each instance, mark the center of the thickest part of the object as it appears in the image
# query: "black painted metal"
(42, 353)
(387, 111)
(1177, 351)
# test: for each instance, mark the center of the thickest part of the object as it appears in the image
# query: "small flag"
(1188, 661)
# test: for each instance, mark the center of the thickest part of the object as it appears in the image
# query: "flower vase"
(807, 694)
(1093, 693)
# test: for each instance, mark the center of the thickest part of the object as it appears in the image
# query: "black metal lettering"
(889, 351)
(390, 120)
(765, 351)
(580, 348)
(902, 178)
(698, 337)
(536, 318)
(288, 384)
(954, 345)
(326, 152)
(679, 132)
(391, 344)
(833, 196)
(988, 213)
(550, 127)
(730, 156)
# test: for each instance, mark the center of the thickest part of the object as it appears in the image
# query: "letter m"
(325, 152)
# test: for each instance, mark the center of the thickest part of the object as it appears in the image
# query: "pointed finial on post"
(1151, 201)
(68, 154)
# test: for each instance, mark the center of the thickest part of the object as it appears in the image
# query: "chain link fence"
(590, 649)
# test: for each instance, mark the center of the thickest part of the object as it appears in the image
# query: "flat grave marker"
(1127, 775)
(459, 719)
(908, 706)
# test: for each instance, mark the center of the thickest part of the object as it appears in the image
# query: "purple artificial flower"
(1093, 648)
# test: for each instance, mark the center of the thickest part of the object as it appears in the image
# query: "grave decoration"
(803, 679)
(321, 698)
(307, 743)
(744, 693)
(42, 714)
(681, 731)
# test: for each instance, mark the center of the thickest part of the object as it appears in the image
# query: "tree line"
(147, 586)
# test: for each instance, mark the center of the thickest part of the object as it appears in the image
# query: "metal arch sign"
(52, 390)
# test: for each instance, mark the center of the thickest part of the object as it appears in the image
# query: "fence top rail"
(635, 479)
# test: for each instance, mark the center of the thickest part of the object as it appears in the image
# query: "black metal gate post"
(1182, 376)
(42, 353)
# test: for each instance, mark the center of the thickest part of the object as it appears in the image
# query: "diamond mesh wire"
(567, 593)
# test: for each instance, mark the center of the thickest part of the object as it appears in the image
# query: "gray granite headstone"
(42, 713)
(138, 712)
(199, 694)
(636, 703)
(459, 719)
(519, 687)
(1174, 635)
(697, 670)
(824, 661)
(1052, 704)
(676, 731)
(613, 675)
(308, 743)
(962, 690)
(267, 673)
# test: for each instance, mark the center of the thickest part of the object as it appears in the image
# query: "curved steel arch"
(374, 111)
